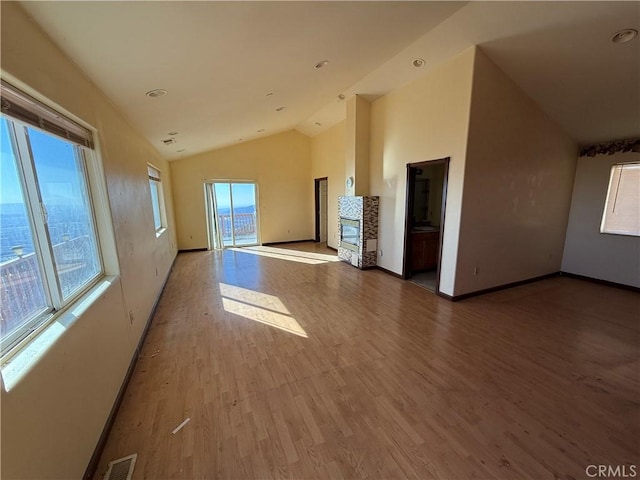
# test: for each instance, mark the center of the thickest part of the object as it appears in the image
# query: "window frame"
(162, 213)
(613, 191)
(92, 176)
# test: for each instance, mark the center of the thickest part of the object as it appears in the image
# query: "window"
(49, 247)
(622, 208)
(157, 199)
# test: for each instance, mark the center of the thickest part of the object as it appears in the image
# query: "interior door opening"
(321, 215)
(232, 214)
(424, 222)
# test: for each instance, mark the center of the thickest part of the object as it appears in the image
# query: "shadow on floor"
(425, 280)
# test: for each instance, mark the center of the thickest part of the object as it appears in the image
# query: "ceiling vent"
(169, 141)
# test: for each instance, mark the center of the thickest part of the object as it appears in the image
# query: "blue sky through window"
(56, 163)
(243, 195)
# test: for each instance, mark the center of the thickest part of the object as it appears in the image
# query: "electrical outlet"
(380, 253)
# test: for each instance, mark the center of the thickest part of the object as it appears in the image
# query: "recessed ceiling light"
(261, 130)
(279, 109)
(172, 133)
(270, 94)
(158, 92)
(169, 141)
(240, 139)
(341, 96)
(321, 64)
(181, 150)
(318, 124)
(624, 36)
(418, 62)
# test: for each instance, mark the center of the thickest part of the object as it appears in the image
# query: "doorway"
(232, 214)
(321, 212)
(424, 222)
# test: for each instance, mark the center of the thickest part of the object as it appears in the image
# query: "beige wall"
(358, 143)
(52, 419)
(517, 188)
(587, 252)
(424, 120)
(280, 164)
(328, 160)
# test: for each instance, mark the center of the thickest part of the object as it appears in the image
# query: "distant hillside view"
(237, 209)
(65, 222)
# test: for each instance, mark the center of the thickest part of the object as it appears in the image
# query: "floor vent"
(121, 469)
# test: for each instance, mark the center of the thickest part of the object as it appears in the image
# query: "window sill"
(160, 232)
(20, 360)
(620, 234)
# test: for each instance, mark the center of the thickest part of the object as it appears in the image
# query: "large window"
(49, 248)
(157, 199)
(622, 208)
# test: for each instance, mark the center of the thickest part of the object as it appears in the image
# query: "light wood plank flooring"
(291, 367)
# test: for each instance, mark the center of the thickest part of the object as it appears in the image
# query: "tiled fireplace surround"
(364, 210)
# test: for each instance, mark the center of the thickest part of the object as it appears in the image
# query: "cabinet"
(424, 250)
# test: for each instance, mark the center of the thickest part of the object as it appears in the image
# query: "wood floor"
(295, 367)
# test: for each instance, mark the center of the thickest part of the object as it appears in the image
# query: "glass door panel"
(245, 229)
(223, 212)
(232, 214)
(212, 218)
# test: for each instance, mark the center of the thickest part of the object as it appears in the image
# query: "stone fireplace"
(358, 217)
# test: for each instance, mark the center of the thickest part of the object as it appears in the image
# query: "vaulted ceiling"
(228, 67)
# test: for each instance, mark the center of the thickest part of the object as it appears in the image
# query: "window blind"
(20, 106)
(154, 173)
(622, 209)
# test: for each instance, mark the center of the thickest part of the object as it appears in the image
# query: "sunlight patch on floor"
(259, 299)
(259, 307)
(309, 258)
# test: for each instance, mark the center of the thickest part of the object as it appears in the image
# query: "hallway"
(292, 365)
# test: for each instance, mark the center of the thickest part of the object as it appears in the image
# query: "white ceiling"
(218, 60)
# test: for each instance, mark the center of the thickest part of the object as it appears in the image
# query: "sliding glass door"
(232, 212)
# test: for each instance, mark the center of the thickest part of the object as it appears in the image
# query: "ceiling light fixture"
(279, 109)
(418, 62)
(172, 133)
(318, 124)
(341, 96)
(321, 64)
(158, 92)
(270, 94)
(261, 130)
(181, 150)
(624, 36)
